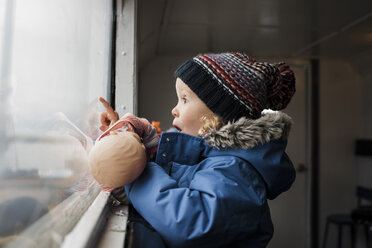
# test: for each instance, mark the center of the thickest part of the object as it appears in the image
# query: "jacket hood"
(261, 142)
(247, 133)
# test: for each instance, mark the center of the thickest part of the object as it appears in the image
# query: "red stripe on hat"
(236, 86)
(253, 65)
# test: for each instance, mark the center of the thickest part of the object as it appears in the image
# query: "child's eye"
(184, 99)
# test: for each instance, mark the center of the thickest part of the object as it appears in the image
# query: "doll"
(121, 152)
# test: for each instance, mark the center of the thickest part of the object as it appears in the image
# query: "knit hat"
(233, 85)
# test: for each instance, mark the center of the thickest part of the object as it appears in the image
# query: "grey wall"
(157, 94)
(364, 164)
(340, 121)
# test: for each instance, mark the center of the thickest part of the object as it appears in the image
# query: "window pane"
(54, 63)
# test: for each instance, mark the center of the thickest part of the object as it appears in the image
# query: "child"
(209, 182)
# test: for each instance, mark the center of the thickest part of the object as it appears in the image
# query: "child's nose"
(175, 112)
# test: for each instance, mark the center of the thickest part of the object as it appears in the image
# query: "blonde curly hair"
(213, 122)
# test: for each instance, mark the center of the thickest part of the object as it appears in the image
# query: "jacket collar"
(247, 133)
(261, 142)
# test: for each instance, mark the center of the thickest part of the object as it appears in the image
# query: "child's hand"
(109, 117)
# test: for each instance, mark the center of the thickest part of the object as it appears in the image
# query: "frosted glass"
(54, 64)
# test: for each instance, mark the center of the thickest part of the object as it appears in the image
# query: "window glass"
(54, 63)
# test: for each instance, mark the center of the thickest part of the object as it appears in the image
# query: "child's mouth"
(176, 127)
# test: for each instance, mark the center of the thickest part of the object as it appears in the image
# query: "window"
(54, 63)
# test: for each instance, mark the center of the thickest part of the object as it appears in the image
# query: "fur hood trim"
(247, 133)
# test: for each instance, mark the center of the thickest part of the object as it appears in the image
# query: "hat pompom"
(282, 88)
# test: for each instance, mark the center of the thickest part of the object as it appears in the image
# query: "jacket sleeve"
(221, 200)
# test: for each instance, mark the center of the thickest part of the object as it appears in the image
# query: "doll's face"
(189, 110)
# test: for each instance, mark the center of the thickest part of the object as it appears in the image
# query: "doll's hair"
(213, 122)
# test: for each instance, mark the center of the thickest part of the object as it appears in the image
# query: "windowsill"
(82, 232)
(114, 234)
(74, 220)
(103, 225)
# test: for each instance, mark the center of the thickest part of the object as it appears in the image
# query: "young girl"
(209, 182)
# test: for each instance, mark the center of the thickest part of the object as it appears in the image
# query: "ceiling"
(262, 28)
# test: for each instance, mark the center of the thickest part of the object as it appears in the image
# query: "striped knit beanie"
(234, 85)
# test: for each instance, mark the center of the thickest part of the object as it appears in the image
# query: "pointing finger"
(107, 106)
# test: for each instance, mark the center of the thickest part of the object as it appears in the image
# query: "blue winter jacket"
(213, 191)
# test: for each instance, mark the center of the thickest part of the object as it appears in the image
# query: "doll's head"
(117, 159)
(228, 86)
